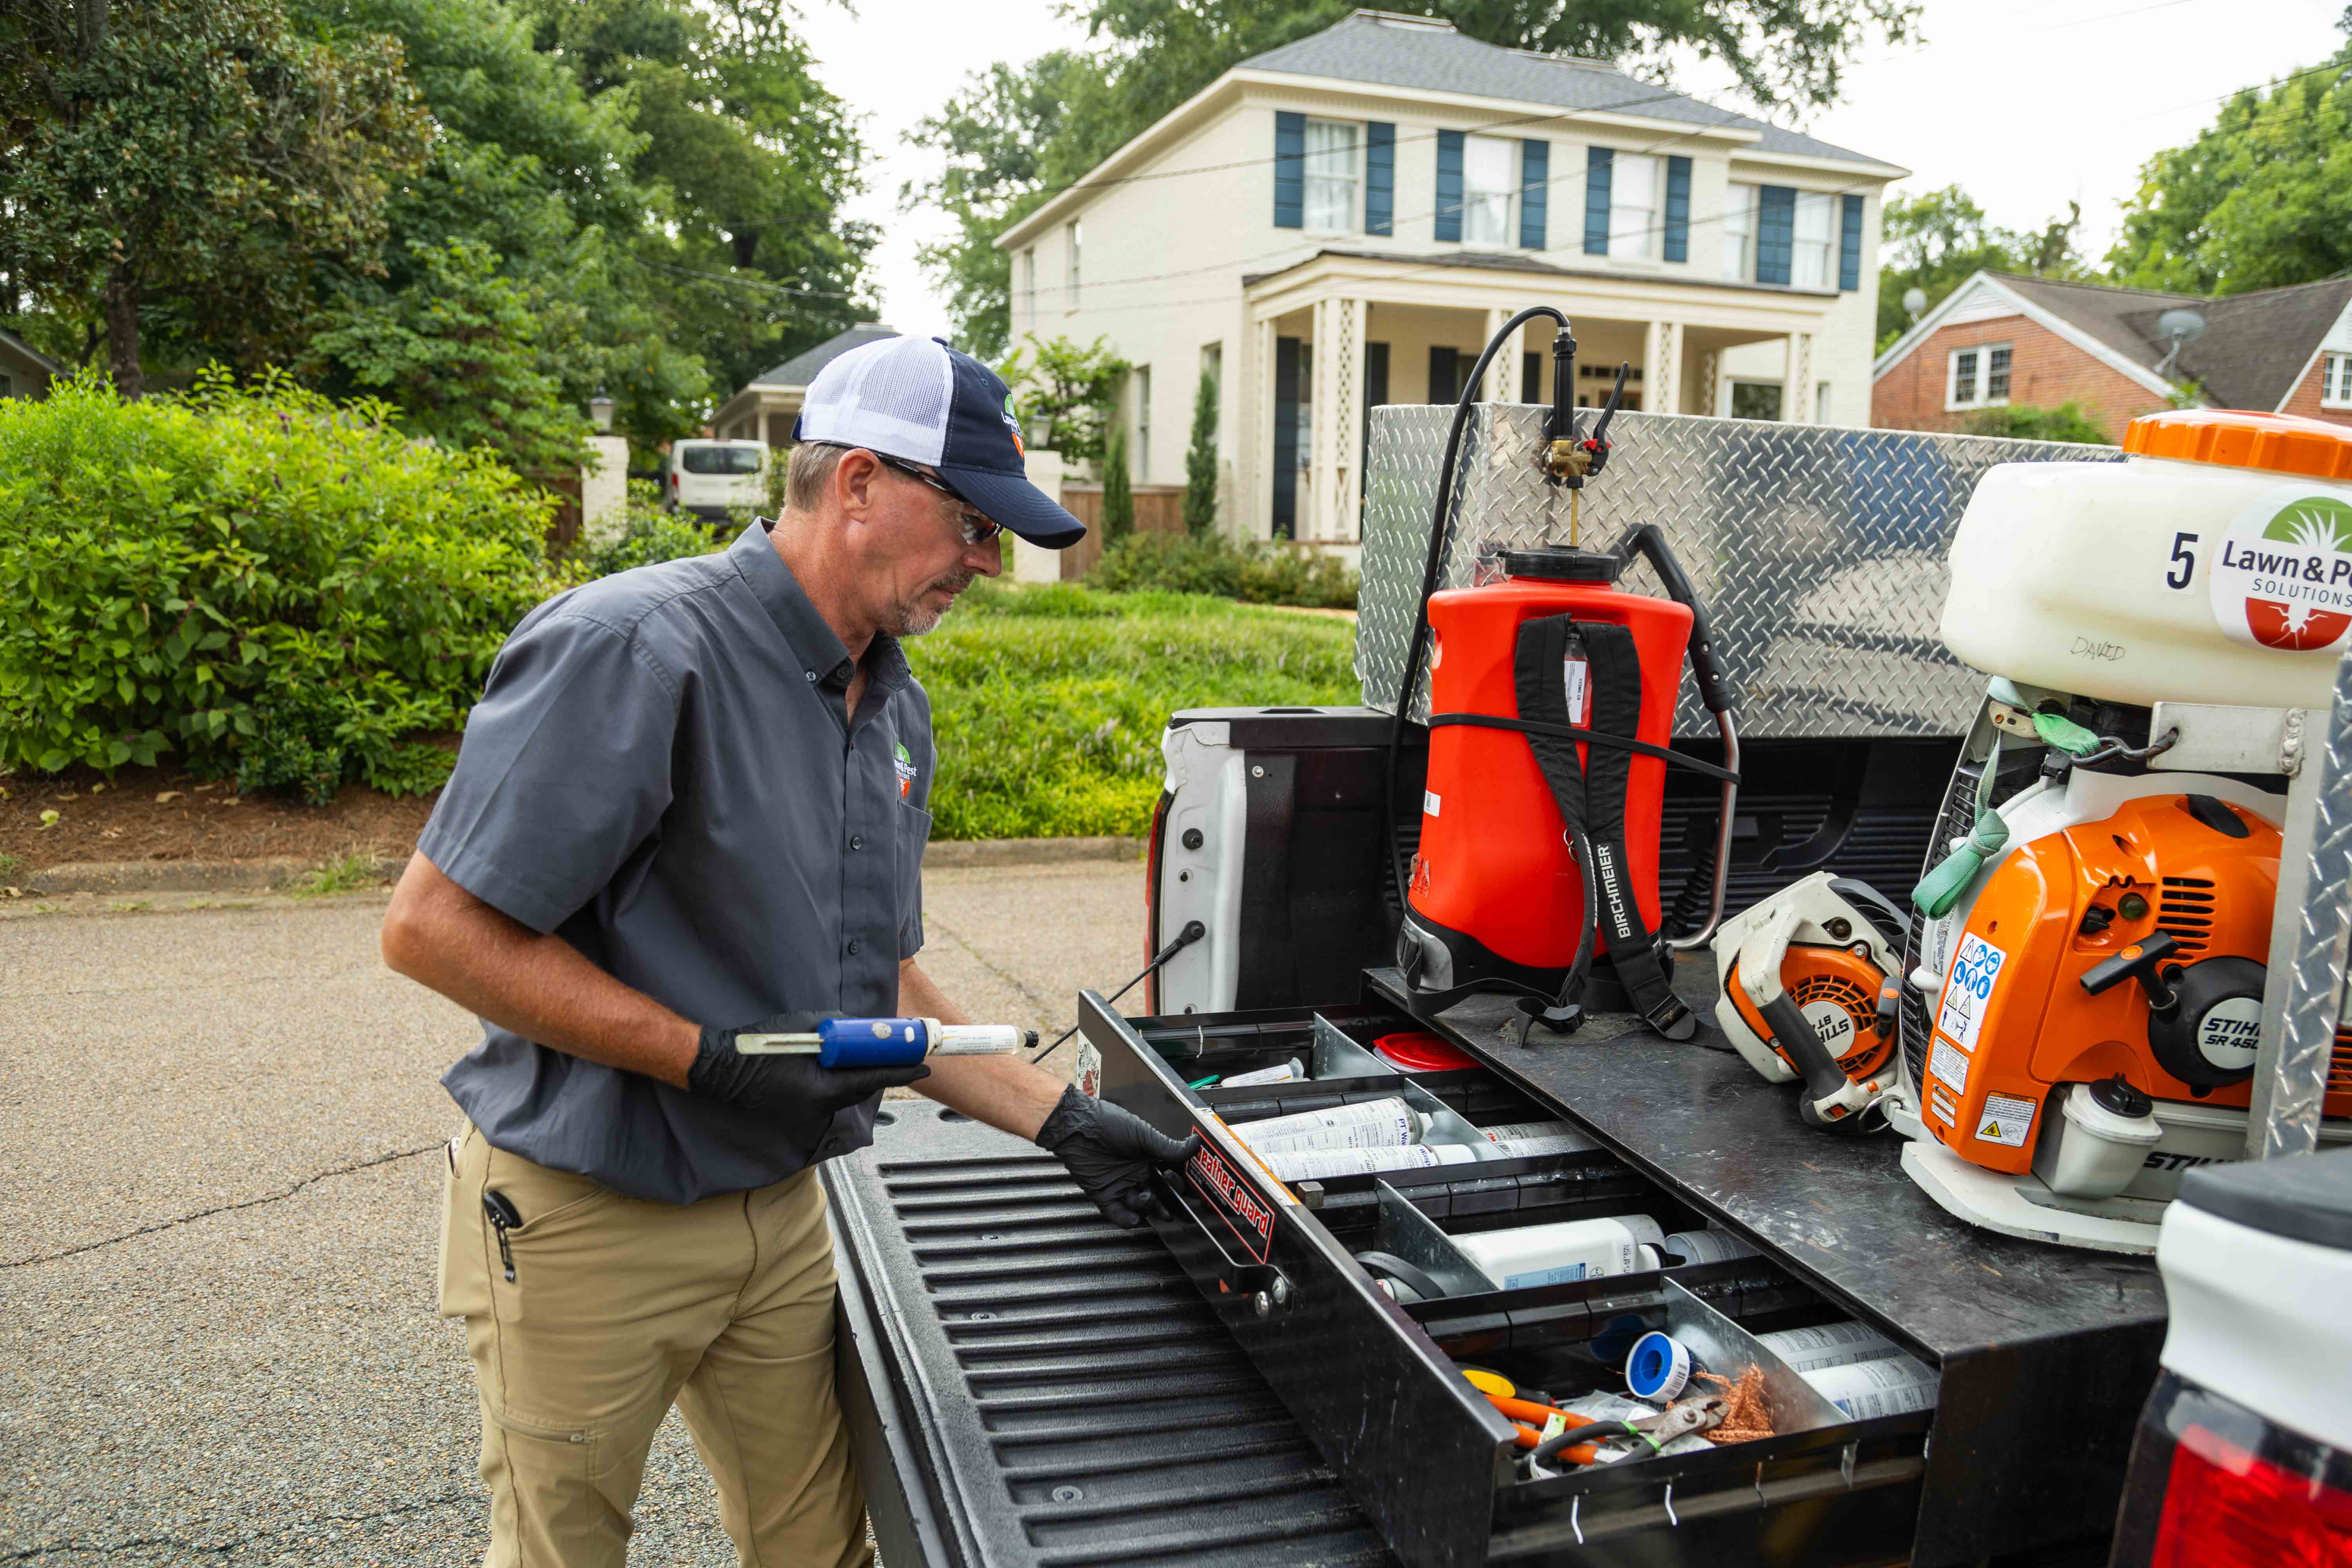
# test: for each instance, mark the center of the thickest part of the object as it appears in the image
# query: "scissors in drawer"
(1580, 1442)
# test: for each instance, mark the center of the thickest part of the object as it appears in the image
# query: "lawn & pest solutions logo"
(2283, 579)
(906, 765)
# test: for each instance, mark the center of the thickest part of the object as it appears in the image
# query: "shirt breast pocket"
(914, 834)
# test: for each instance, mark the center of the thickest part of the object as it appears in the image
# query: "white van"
(706, 478)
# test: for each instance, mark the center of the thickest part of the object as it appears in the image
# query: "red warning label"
(1243, 1211)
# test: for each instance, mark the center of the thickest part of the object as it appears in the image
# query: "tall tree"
(174, 169)
(748, 158)
(1017, 133)
(2261, 198)
(1937, 240)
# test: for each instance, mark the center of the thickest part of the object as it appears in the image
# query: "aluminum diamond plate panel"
(1819, 552)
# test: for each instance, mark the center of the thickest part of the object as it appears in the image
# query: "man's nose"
(987, 557)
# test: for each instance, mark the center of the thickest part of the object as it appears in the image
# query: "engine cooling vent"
(2184, 911)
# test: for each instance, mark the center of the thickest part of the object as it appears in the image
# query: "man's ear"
(857, 480)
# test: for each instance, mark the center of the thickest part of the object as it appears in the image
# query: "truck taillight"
(2227, 1508)
(1151, 900)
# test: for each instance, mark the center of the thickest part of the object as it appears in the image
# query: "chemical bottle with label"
(1567, 1251)
(1369, 1124)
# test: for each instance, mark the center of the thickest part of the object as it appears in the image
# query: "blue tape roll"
(1659, 1368)
(872, 1042)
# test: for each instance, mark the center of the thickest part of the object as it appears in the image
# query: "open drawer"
(1371, 1360)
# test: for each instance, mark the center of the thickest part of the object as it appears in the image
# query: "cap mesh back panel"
(889, 396)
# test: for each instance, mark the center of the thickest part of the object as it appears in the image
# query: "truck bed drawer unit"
(1379, 1385)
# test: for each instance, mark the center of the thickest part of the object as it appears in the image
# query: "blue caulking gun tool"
(889, 1042)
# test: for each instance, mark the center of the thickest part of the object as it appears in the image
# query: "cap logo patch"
(1013, 423)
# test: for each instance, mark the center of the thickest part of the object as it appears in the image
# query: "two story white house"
(1346, 220)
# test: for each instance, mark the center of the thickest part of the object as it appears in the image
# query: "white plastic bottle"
(1570, 1250)
(1371, 1125)
(1319, 1165)
(1291, 1071)
(1830, 1345)
(1888, 1386)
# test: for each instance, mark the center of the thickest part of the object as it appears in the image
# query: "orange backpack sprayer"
(1552, 698)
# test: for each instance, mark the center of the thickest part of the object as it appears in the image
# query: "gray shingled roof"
(802, 368)
(1434, 58)
(2253, 346)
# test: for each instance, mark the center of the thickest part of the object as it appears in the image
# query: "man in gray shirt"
(692, 805)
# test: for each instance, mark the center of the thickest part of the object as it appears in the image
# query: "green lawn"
(1049, 701)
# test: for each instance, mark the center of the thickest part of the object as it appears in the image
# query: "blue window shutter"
(1678, 246)
(1850, 246)
(1379, 177)
(1597, 165)
(1535, 193)
(1289, 169)
(1449, 184)
(1775, 232)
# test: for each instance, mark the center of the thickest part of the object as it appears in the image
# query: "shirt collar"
(813, 643)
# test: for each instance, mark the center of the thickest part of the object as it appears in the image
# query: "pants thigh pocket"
(461, 1273)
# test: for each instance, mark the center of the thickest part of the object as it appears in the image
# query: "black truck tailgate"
(1030, 1385)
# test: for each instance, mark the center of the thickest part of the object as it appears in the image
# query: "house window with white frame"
(1074, 235)
(1815, 242)
(1330, 176)
(1490, 179)
(2336, 381)
(1634, 205)
(1977, 377)
(1739, 233)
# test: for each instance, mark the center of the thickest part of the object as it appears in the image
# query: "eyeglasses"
(977, 528)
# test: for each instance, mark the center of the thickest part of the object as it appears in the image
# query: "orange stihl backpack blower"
(1552, 698)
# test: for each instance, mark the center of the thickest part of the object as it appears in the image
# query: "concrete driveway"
(219, 1184)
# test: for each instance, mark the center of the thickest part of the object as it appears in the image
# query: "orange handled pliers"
(1523, 1411)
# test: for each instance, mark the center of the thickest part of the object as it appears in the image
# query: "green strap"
(1940, 888)
(2057, 730)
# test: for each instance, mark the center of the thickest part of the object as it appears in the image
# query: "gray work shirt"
(661, 772)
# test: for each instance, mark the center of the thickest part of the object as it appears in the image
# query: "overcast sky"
(2026, 103)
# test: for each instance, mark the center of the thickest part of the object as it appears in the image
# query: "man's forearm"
(541, 987)
(1006, 1091)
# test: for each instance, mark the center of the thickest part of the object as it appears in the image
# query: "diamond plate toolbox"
(1819, 552)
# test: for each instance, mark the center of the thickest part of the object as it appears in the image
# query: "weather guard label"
(2283, 577)
(1243, 1211)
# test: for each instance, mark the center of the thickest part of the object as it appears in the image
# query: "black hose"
(1440, 519)
(1194, 931)
(1550, 1448)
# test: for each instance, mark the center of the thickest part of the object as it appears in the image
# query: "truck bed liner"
(1031, 1384)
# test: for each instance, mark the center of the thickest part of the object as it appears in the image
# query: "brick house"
(2000, 338)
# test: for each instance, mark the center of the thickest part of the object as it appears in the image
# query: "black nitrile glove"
(801, 1097)
(1112, 1152)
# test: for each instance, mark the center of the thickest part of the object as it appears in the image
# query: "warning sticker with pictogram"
(2006, 1119)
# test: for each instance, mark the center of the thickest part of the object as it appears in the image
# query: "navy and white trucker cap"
(921, 401)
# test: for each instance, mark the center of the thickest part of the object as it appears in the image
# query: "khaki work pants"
(619, 1308)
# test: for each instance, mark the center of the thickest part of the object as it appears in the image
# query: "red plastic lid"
(1419, 1051)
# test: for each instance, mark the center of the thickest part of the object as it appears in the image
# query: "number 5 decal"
(2184, 559)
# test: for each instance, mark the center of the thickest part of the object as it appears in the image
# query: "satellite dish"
(2182, 325)
(1915, 301)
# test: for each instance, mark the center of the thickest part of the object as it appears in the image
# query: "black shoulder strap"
(1591, 795)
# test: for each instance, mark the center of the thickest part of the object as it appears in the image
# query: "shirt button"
(811, 675)
(857, 841)
(855, 945)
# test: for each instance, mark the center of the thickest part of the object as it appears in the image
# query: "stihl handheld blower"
(1552, 698)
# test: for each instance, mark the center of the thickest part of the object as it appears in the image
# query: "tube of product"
(1886, 1387)
(1570, 1250)
(1708, 1247)
(1520, 1132)
(1291, 1071)
(1830, 1345)
(1315, 1165)
(1372, 1124)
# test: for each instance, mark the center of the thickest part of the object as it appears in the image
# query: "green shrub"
(1254, 572)
(252, 578)
(651, 533)
(1049, 701)
(1118, 491)
(2067, 422)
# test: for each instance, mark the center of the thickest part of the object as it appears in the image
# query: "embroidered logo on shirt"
(906, 765)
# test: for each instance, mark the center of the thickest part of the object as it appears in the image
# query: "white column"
(1346, 496)
(1711, 383)
(1323, 467)
(1797, 391)
(1503, 374)
(1662, 359)
(1255, 519)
